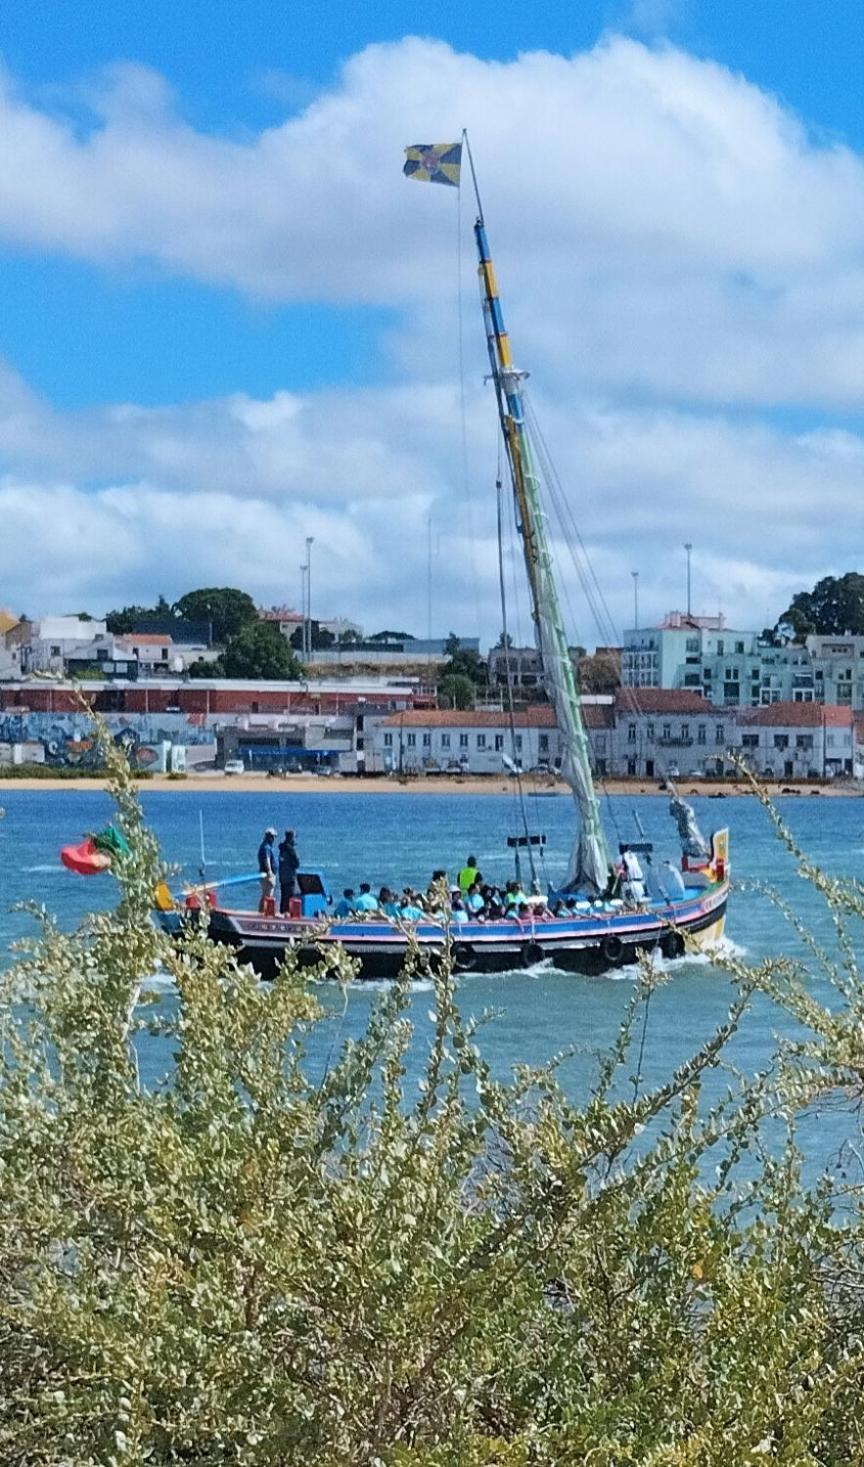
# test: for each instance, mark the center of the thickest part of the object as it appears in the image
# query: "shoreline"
(261, 784)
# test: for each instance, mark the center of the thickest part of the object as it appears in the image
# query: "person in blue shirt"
(345, 905)
(366, 902)
(387, 902)
(267, 868)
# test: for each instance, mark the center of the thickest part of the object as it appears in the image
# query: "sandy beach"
(216, 782)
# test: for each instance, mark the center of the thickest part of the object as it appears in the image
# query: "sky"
(228, 323)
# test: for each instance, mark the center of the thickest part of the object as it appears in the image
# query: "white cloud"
(678, 255)
(663, 224)
(228, 490)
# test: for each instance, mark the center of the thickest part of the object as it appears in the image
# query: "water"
(401, 837)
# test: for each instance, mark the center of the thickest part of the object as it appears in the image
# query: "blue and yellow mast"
(589, 865)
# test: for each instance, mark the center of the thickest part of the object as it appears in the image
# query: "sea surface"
(400, 838)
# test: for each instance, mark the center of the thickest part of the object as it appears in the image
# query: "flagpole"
(467, 143)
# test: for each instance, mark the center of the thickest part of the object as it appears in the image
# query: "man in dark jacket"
(289, 864)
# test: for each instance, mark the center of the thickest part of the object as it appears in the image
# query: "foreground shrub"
(248, 1266)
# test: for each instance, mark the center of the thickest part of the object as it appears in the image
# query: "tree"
(320, 637)
(227, 610)
(465, 662)
(124, 618)
(455, 690)
(387, 636)
(834, 607)
(599, 673)
(258, 650)
(265, 1261)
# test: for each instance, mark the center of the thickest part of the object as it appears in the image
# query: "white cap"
(271, 830)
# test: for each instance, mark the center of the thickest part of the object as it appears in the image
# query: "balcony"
(674, 741)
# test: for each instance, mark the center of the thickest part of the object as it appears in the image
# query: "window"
(543, 743)
(649, 732)
(667, 730)
(411, 740)
(719, 737)
(55, 651)
(517, 740)
(481, 741)
(427, 739)
(631, 733)
(781, 741)
(445, 741)
(701, 733)
(499, 742)
(750, 741)
(692, 644)
(720, 648)
(685, 730)
(739, 647)
(463, 741)
(803, 741)
(388, 741)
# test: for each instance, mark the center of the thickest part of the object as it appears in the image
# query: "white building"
(479, 742)
(52, 638)
(797, 740)
(664, 731)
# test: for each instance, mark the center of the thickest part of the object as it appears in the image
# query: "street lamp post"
(309, 541)
(303, 570)
(689, 548)
(635, 575)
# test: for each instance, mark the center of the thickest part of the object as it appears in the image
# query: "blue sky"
(695, 308)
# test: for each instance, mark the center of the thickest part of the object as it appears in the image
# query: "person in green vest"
(468, 875)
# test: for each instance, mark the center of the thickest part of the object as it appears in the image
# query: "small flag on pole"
(434, 163)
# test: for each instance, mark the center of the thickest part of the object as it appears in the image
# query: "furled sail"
(589, 863)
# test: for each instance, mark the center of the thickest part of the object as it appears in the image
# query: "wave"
(48, 866)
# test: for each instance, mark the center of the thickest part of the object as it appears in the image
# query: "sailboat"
(606, 908)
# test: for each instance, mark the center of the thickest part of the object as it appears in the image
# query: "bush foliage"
(247, 1265)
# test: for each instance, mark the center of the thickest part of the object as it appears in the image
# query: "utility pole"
(689, 548)
(309, 540)
(303, 610)
(635, 575)
(429, 578)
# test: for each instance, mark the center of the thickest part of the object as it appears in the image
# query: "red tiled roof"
(797, 715)
(664, 700)
(280, 613)
(539, 715)
(147, 639)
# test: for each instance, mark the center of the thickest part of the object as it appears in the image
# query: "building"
(669, 731)
(481, 742)
(738, 669)
(288, 724)
(797, 740)
(47, 642)
(290, 621)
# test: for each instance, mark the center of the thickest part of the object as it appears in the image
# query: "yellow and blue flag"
(434, 163)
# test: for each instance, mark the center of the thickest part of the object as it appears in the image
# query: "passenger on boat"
(387, 902)
(633, 881)
(468, 875)
(474, 900)
(411, 911)
(289, 865)
(267, 868)
(345, 905)
(458, 914)
(366, 902)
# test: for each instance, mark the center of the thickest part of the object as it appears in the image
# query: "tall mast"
(589, 863)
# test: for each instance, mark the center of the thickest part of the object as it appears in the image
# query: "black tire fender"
(532, 953)
(612, 949)
(464, 957)
(672, 944)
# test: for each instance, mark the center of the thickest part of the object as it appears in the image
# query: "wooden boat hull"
(592, 944)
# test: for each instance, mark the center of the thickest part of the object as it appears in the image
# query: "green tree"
(259, 650)
(464, 662)
(599, 673)
(455, 690)
(835, 606)
(227, 610)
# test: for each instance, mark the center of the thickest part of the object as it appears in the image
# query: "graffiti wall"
(68, 738)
